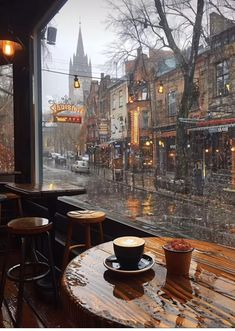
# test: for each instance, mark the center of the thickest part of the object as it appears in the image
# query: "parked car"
(80, 166)
(85, 157)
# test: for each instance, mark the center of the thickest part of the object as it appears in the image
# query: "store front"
(166, 151)
(214, 146)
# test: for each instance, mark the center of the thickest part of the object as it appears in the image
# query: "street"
(156, 213)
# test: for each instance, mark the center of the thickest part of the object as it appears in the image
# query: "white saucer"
(145, 264)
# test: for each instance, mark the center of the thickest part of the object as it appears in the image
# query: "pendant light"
(160, 88)
(76, 83)
(9, 44)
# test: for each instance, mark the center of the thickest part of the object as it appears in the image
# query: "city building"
(211, 118)
(90, 120)
(140, 115)
(118, 144)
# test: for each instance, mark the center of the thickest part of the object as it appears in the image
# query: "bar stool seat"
(8, 196)
(85, 218)
(28, 229)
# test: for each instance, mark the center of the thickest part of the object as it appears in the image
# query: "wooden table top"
(56, 189)
(9, 173)
(97, 297)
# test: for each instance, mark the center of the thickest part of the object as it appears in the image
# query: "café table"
(10, 173)
(49, 191)
(7, 176)
(94, 296)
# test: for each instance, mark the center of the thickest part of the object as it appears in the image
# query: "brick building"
(211, 122)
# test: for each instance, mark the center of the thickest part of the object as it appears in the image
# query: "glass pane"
(128, 129)
(226, 66)
(219, 68)
(220, 86)
(6, 119)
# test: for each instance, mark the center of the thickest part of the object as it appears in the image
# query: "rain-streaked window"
(6, 119)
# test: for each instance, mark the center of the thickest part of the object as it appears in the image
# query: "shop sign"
(59, 107)
(68, 119)
(135, 127)
(219, 129)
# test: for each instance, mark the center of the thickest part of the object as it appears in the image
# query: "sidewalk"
(146, 181)
(142, 181)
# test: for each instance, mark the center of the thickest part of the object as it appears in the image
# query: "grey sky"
(95, 35)
(92, 15)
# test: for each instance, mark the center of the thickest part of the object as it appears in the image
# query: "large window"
(114, 101)
(222, 78)
(136, 145)
(145, 120)
(6, 119)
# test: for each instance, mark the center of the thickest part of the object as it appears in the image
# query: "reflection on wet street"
(153, 212)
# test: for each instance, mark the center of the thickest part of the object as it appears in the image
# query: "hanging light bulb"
(8, 48)
(9, 43)
(76, 83)
(160, 88)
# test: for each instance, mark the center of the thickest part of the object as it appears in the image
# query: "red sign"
(68, 119)
(219, 121)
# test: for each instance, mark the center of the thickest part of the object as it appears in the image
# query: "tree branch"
(168, 32)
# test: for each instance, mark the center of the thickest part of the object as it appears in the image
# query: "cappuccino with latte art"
(128, 251)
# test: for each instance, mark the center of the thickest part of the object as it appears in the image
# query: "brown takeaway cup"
(178, 262)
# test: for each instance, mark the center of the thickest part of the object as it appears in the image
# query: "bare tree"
(176, 24)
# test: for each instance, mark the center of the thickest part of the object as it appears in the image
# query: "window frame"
(221, 92)
(120, 96)
(114, 101)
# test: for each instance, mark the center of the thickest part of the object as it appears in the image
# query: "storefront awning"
(166, 134)
(214, 128)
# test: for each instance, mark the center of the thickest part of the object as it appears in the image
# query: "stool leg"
(101, 233)
(52, 268)
(0, 213)
(20, 207)
(4, 268)
(88, 236)
(21, 284)
(67, 246)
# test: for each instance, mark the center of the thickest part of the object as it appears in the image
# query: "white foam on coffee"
(129, 241)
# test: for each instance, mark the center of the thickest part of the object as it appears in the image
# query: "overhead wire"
(93, 77)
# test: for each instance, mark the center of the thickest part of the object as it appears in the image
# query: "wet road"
(153, 212)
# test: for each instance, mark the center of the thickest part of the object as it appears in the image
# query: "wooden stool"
(8, 197)
(85, 218)
(27, 228)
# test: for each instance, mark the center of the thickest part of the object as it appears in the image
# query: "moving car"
(81, 166)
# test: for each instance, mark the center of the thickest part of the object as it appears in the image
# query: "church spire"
(80, 48)
(79, 66)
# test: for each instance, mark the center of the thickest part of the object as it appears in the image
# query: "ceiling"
(24, 15)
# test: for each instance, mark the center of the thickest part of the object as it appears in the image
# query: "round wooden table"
(96, 297)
